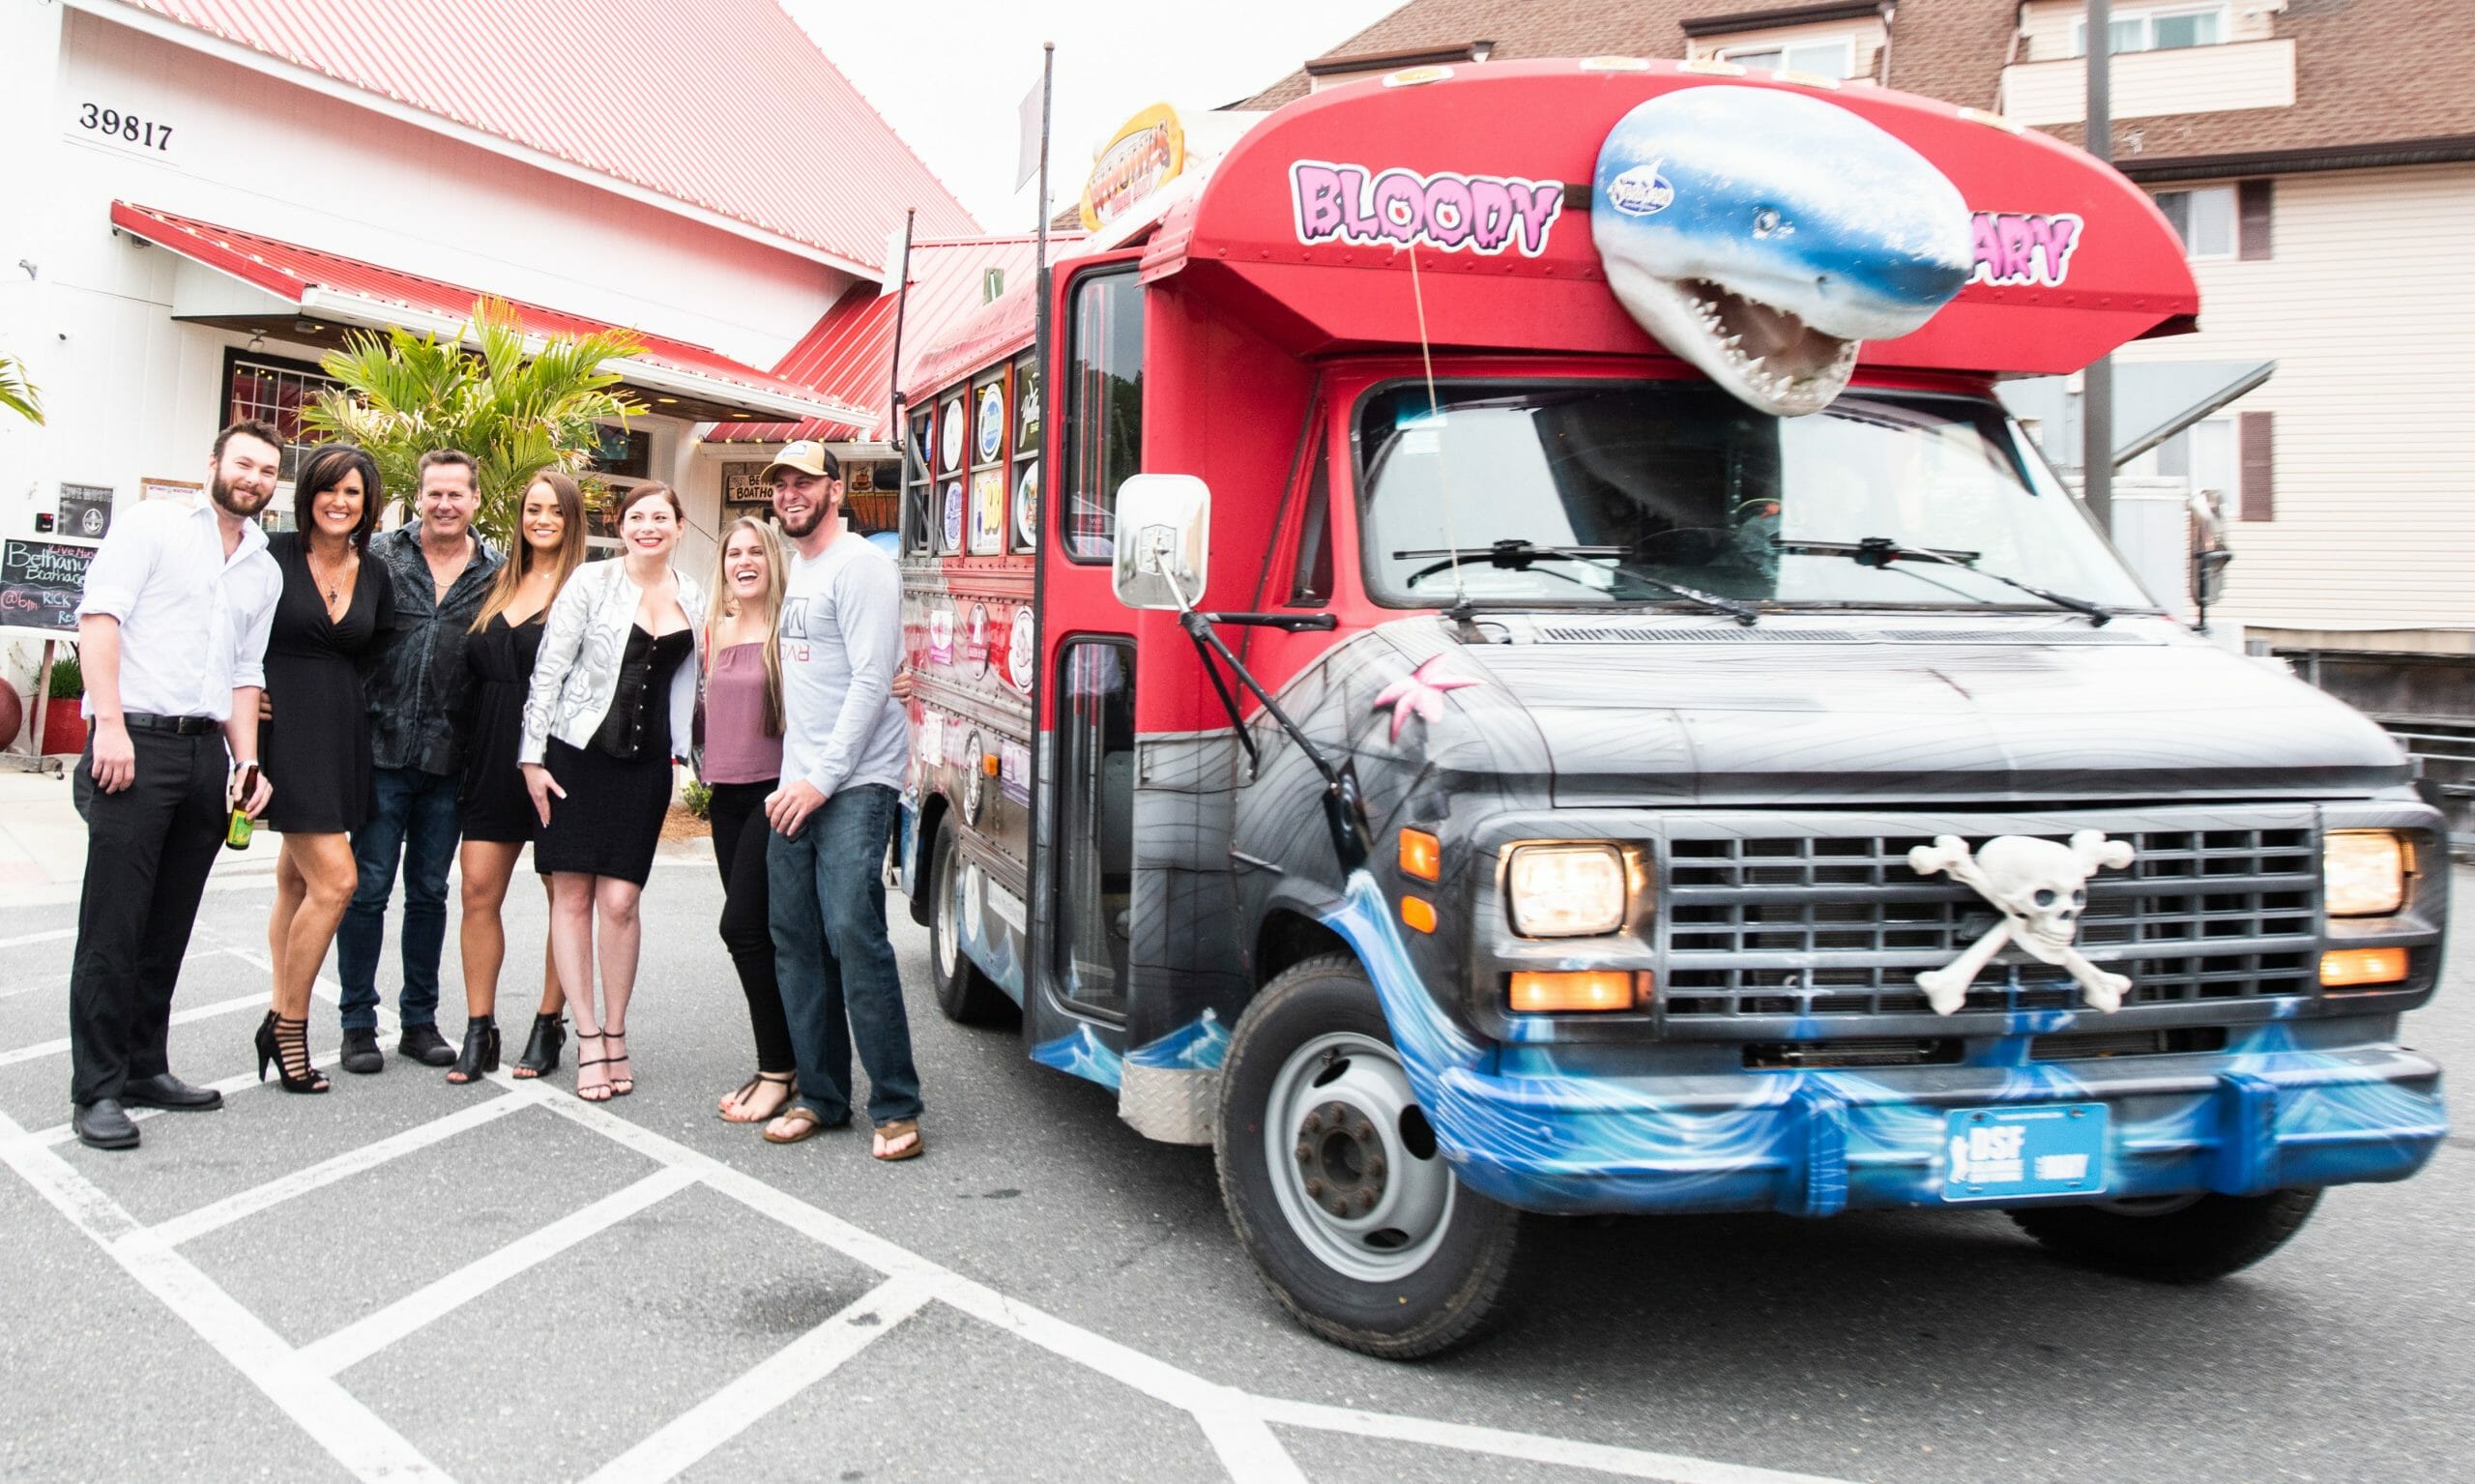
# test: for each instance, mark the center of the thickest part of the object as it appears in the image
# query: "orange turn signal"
(1592, 989)
(2346, 967)
(1418, 913)
(1421, 855)
(988, 763)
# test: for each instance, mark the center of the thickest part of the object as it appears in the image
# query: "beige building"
(2318, 156)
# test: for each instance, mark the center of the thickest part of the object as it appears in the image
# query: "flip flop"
(888, 1133)
(804, 1124)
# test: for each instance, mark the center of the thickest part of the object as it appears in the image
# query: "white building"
(205, 195)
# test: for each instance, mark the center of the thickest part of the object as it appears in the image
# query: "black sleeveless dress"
(492, 803)
(315, 747)
(619, 786)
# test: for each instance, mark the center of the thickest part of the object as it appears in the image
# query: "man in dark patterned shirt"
(442, 570)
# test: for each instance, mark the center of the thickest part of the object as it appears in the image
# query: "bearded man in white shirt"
(172, 637)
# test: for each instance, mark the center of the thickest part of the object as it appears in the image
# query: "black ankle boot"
(541, 1048)
(481, 1052)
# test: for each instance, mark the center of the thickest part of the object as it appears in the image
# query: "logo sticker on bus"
(2017, 249)
(1022, 652)
(1483, 213)
(941, 637)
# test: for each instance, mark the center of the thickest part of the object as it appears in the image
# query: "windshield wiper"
(1882, 551)
(1516, 555)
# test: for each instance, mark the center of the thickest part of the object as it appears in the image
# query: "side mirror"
(2209, 575)
(1163, 540)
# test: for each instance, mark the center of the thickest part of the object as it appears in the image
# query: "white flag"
(1028, 161)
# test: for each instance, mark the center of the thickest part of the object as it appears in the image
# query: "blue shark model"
(1761, 233)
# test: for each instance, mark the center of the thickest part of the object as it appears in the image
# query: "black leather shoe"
(424, 1044)
(101, 1125)
(169, 1092)
(360, 1052)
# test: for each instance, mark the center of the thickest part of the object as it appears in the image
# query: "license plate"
(2005, 1154)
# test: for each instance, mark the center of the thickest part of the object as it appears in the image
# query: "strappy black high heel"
(481, 1052)
(620, 1087)
(582, 1061)
(541, 1048)
(286, 1044)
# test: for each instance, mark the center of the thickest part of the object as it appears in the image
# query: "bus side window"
(1104, 409)
(1095, 824)
(1311, 582)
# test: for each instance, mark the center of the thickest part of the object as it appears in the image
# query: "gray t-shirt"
(841, 640)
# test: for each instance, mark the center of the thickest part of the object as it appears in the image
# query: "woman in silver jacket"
(612, 703)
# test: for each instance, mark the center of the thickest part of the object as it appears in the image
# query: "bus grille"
(1827, 927)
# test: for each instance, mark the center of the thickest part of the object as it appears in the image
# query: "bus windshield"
(1622, 492)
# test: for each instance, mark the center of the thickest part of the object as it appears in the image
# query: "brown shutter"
(2256, 435)
(2253, 201)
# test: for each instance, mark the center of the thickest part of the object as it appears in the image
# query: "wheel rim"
(949, 888)
(1353, 1164)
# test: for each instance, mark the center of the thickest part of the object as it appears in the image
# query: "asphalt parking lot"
(404, 1279)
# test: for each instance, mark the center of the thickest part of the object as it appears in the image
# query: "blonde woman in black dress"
(314, 733)
(496, 815)
(614, 692)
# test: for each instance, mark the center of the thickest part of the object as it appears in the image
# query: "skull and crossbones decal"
(2040, 888)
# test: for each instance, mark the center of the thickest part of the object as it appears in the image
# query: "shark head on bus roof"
(1762, 233)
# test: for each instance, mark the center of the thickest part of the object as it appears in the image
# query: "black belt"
(183, 726)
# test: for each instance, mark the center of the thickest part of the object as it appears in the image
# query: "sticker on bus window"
(949, 435)
(1027, 505)
(988, 511)
(992, 421)
(953, 515)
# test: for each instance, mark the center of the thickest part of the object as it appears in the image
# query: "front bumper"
(2243, 1121)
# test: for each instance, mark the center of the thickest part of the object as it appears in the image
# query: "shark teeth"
(1795, 384)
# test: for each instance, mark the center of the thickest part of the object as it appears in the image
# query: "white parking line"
(366, 1337)
(60, 1047)
(802, 1363)
(351, 1433)
(369, 1156)
(54, 936)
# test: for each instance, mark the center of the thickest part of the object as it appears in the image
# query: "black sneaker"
(360, 1052)
(424, 1044)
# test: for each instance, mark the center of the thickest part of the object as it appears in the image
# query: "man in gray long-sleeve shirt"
(844, 748)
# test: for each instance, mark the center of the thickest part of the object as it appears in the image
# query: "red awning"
(673, 376)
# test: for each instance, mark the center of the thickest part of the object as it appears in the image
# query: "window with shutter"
(2259, 465)
(2253, 210)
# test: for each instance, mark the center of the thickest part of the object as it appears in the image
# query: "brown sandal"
(803, 1120)
(888, 1134)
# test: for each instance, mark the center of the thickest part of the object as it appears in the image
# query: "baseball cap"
(807, 456)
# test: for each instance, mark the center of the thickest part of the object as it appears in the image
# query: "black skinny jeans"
(739, 851)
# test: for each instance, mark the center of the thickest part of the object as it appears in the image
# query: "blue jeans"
(416, 821)
(830, 955)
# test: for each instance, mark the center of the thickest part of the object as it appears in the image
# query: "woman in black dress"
(614, 688)
(313, 733)
(495, 812)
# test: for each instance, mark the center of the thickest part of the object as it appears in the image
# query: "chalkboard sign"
(39, 585)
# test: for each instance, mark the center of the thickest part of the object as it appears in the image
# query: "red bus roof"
(2072, 259)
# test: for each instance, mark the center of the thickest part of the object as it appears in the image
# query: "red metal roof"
(724, 105)
(299, 274)
(846, 356)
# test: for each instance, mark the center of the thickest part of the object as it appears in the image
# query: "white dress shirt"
(194, 623)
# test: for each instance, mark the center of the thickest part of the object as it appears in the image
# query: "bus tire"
(967, 996)
(2184, 1241)
(1366, 1236)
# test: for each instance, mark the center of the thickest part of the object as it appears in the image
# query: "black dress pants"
(740, 831)
(148, 850)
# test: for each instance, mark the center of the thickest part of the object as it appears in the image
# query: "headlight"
(2363, 872)
(1566, 890)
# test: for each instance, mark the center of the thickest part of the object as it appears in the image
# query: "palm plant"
(17, 393)
(518, 412)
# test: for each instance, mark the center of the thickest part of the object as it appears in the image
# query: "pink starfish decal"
(1419, 691)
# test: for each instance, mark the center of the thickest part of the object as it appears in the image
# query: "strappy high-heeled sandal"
(620, 1087)
(584, 1090)
(285, 1043)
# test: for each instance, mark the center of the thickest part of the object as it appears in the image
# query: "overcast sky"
(949, 74)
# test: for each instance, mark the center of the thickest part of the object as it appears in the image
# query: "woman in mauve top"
(743, 764)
